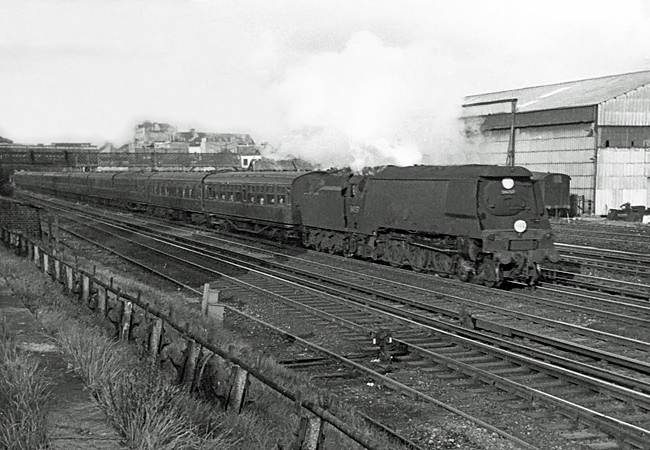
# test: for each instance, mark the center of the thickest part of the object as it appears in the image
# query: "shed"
(597, 131)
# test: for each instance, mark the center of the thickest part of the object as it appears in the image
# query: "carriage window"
(238, 196)
(557, 178)
(281, 199)
(270, 199)
(353, 190)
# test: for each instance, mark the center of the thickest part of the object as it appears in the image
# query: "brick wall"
(20, 216)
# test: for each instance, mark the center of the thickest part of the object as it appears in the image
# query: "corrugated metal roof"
(563, 95)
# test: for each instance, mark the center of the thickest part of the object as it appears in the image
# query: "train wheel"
(418, 258)
(489, 273)
(395, 254)
(442, 264)
(463, 272)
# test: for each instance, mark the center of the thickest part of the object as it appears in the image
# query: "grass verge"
(24, 388)
(147, 409)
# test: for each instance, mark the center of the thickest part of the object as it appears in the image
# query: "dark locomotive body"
(456, 219)
(482, 222)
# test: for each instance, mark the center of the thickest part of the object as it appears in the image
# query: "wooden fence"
(194, 357)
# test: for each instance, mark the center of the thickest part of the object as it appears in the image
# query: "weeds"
(23, 394)
(149, 411)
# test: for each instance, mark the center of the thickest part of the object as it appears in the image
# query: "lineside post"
(210, 305)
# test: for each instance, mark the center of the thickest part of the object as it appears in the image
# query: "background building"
(595, 130)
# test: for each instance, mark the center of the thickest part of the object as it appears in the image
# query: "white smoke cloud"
(369, 104)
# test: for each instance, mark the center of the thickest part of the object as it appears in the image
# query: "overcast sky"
(353, 81)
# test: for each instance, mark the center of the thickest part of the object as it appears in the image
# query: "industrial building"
(595, 130)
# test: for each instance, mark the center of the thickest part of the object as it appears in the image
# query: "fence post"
(57, 270)
(238, 387)
(102, 300)
(37, 258)
(46, 264)
(314, 434)
(192, 352)
(24, 246)
(155, 337)
(69, 276)
(126, 321)
(85, 289)
(302, 426)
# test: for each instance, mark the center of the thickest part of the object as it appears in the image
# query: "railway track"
(617, 237)
(630, 263)
(431, 344)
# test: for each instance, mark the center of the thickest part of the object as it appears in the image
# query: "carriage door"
(353, 194)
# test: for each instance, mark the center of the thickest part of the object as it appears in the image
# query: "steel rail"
(373, 374)
(612, 425)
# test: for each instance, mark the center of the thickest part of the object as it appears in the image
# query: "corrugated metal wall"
(565, 149)
(630, 109)
(622, 177)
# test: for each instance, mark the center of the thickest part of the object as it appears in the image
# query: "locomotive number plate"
(522, 245)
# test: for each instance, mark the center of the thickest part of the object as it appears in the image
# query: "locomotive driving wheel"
(418, 258)
(462, 268)
(394, 253)
(442, 264)
(489, 273)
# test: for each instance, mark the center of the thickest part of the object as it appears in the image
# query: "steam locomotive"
(477, 222)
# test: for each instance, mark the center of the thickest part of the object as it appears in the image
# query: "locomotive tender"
(479, 222)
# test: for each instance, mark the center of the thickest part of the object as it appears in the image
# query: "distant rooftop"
(570, 94)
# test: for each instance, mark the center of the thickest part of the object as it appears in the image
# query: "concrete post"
(85, 289)
(102, 300)
(57, 270)
(314, 434)
(155, 337)
(125, 329)
(55, 230)
(238, 386)
(37, 258)
(210, 305)
(192, 353)
(69, 275)
(46, 263)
